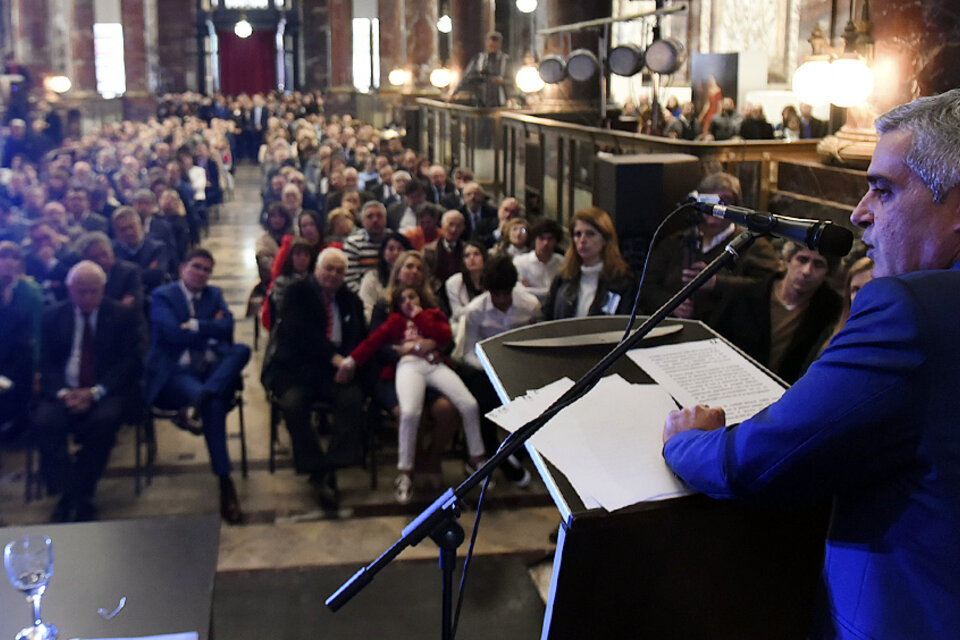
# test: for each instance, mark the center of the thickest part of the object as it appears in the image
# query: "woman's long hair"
(428, 299)
(472, 291)
(299, 245)
(383, 269)
(613, 263)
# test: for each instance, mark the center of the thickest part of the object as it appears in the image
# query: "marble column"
(392, 33)
(81, 48)
(176, 66)
(137, 101)
(340, 15)
(29, 20)
(472, 21)
(421, 21)
(563, 13)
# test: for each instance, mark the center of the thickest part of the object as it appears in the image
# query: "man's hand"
(691, 272)
(685, 310)
(218, 315)
(345, 371)
(128, 299)
(699, 417)
(78, 400)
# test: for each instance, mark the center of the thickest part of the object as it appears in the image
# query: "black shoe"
(229, 503)
(63, 512)
(184, 421)
(85, 512)
(325, 489)
(515, 472)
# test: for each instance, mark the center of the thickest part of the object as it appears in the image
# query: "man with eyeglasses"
(193, 363)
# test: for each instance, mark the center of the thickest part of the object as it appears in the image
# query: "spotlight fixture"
(445, 24)
(553, 68)
(625, 60)
(665, 55)
(582, 64)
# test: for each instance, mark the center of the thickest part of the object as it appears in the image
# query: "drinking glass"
(29, 564)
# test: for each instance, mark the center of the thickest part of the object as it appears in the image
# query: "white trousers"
(414, 375)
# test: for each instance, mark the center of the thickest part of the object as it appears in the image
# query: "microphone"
(819, 235)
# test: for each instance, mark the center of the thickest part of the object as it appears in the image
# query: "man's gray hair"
(85, 267)
(370, 204)
(89, 240)
(934, 126)
(332, 253)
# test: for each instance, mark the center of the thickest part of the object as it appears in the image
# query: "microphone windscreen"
(835, 241)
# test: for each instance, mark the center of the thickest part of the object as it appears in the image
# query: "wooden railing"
(548, 163)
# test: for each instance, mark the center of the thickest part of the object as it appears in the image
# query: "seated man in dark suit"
(307, 352)
(193, 361)
(131, 245)
(90, 378)
(444, 256)
(123, 278)
(479, 217)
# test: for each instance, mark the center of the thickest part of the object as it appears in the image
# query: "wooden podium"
(687, 568)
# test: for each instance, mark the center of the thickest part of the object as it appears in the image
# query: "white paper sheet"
(608, 444)
(709, 372)
(189, 635)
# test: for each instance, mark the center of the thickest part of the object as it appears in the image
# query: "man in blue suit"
(193, 362)
(874, 423)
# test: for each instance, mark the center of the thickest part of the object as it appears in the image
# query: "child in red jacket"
(417, 369)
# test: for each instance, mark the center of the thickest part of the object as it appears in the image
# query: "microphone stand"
(439, 520)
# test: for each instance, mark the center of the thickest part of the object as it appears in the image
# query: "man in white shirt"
(502, 307)
(537, 269)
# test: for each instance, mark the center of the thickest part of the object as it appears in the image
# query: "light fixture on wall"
(243, 28)
(440, 77)
(841, 78)
(526, 6)
(445, 24)
(57, 84)
(398, 77)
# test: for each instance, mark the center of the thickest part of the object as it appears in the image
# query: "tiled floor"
(285, 528)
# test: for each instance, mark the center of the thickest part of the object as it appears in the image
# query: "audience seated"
(501, 307)
(374, 283)
(131, 245)
(47, 260)
(440, 186)
(194, 364)
(679, 257)
(428, 226)
(480, 219)
(466, 284)
(444, 256)
(514, 240)
(536, 269)
(594, 279)
(363, 246)
(124, 284)
(402, 214)
(278, 224)
(416, 322)
(321, 321)
(783, 321)
(21, 307)
(90, 373)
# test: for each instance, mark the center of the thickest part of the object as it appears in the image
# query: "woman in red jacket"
(415, 322)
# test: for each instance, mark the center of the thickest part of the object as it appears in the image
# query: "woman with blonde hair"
(594, 278)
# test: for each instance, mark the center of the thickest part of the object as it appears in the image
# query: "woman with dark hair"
(594, 278)
(297, 264)
(464, 286)
(374, 283)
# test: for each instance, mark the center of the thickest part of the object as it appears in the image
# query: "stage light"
(851, 81)
(529, 80)
(625, 60)
(243, 28)
(526, 6)
(582, 64)
(440, 78)
(553, 68)
(665, 55)
(444, 24)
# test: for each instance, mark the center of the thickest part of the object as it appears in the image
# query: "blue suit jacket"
(875, 423)
(169, 310)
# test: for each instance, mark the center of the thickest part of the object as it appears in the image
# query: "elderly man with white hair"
(90, 368)
(321, 321)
